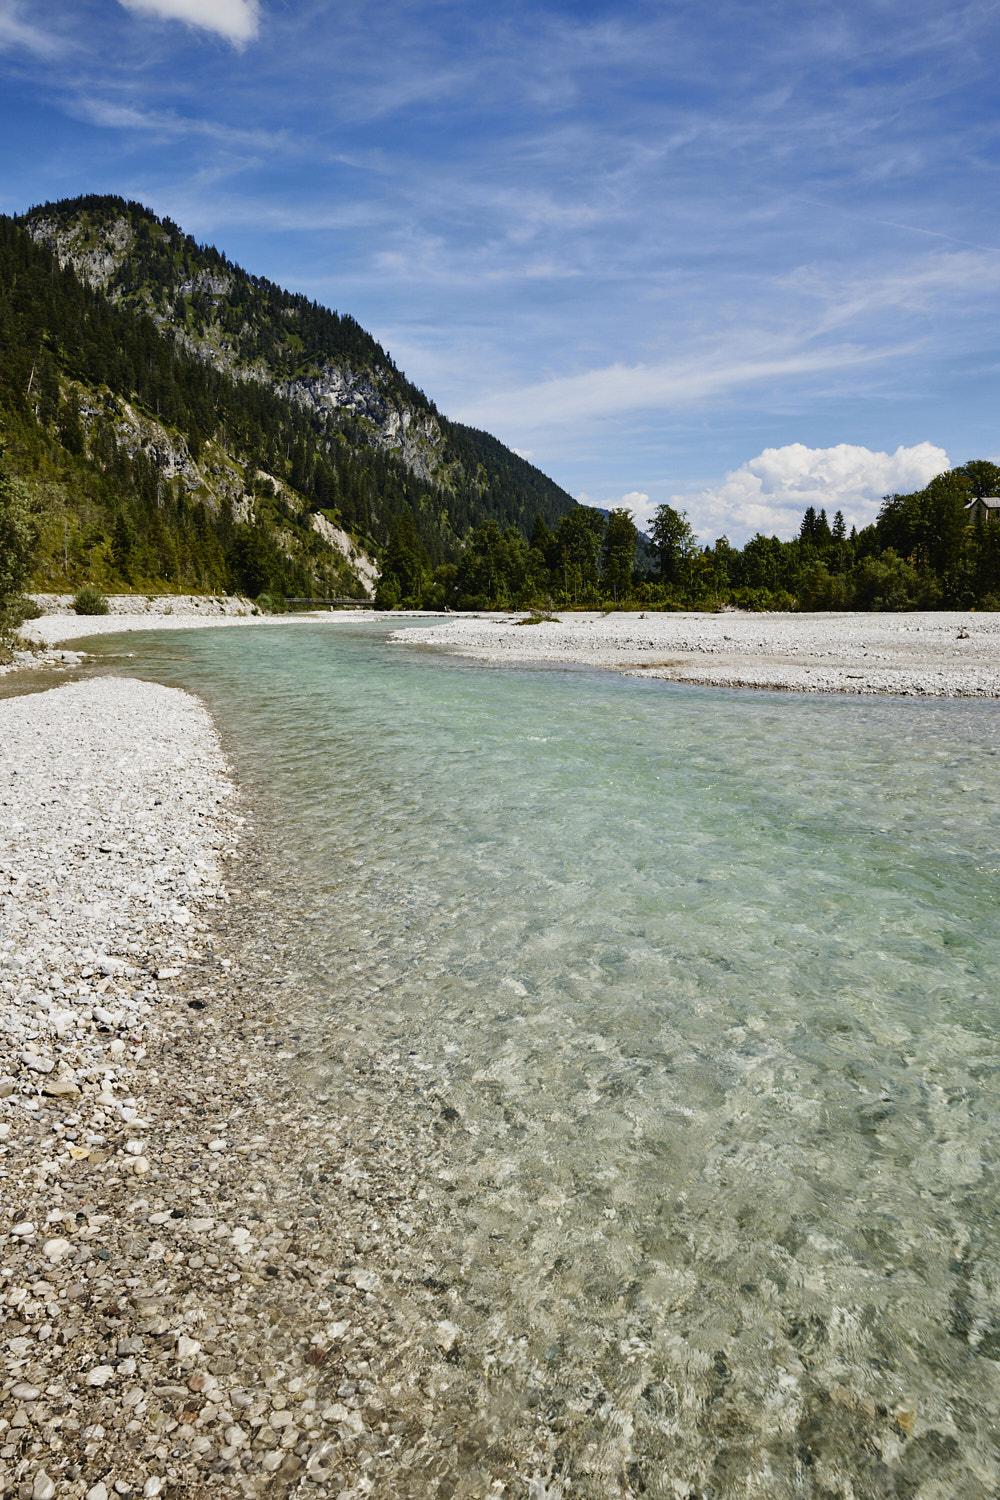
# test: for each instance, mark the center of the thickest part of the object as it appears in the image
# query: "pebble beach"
(184, 1310)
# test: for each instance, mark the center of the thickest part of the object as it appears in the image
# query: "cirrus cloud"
(770, 492)
(237, 20)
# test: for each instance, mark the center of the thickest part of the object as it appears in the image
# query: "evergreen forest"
(158, 468)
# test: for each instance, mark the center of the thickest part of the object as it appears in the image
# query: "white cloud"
(524, 452)
(237, 20)
(21, 35)
(618, 389)
(771, 491)
(638, 502)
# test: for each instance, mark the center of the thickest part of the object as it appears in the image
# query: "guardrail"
(339, 602)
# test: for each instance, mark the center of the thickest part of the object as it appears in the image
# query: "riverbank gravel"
(180, 1312)
(955, 654)
(225, 1267)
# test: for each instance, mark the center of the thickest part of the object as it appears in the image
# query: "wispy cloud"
(237, 20)
(910, 285)
(618, 389)
(18, 35)
(167, 125)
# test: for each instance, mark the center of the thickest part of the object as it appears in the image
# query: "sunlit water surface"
(711, 981)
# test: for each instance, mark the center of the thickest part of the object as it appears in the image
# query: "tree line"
(922, 552)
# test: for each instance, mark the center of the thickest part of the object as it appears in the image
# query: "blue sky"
(742, 258)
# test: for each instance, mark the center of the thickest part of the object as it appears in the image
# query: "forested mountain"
(187, 424)
(183, 424)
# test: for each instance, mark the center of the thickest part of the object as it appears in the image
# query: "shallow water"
(706, 985)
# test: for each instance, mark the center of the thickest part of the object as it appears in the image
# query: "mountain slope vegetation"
(187, 425)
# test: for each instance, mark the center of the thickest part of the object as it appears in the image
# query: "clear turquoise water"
(711, 979)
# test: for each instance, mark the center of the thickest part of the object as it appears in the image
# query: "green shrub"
(18, 536)
(271, 604)
(387, 594)
(90, 601)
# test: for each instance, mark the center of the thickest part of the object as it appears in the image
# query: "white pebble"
(447, 1335)
(100, 1375)
(56, 1249)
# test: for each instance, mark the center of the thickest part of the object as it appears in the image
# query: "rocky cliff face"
(98, 256)
(95, 257)
(365, 570)
(216, 478)
(414, 436)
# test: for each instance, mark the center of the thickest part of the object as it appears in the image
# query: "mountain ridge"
(305, 352)
(185, 423)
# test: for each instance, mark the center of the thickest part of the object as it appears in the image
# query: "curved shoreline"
(948, 654)
(175, 1316)
(48, 633)
(277, 1304)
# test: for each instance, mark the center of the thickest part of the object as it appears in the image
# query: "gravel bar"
(948, 654)
(212, 1281)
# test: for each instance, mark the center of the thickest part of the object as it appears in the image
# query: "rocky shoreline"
(940, 654)
(200, 1263)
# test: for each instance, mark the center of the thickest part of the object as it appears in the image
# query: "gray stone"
(36, 1063)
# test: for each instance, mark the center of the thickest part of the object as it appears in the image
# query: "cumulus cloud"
(237, 20)
(638, 502)
(771, 491)
(524, 452)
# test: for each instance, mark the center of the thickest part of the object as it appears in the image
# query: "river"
(706, 983)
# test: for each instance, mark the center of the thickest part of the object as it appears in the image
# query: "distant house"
(986, 506)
